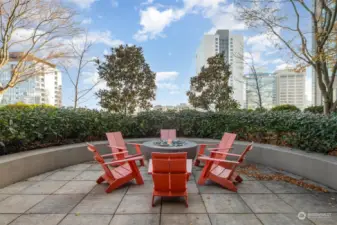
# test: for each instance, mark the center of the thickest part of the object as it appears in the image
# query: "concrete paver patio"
(70, 196)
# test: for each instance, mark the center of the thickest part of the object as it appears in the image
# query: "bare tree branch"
(270, 17)
(35, 28)
(79, 60)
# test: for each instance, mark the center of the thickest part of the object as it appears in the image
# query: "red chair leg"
(153, 205)
(142, 162)
(100, 180)
(229, 185)
(238, 179)
(186, 201)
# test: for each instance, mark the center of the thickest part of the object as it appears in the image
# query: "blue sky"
(169, 31)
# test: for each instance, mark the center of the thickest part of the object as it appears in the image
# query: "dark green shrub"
(285, 107)
(261, 110)
(30, 128)
(315, 109)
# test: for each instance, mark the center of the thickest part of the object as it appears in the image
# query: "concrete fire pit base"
(150, 146)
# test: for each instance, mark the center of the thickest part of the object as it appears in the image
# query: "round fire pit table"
(157, 146)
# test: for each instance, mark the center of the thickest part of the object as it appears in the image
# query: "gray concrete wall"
(20, 166)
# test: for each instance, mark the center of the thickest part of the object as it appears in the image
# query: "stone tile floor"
(70, 196)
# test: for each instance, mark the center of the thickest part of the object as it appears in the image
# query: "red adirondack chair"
(224, 146)
(222, 171)
(166, 134)
(125, 172)
(169, 175)
(117, 144)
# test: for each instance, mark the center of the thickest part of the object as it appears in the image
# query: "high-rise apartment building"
(290, 88)
(267, 89)
(45, 87)
(231, 45)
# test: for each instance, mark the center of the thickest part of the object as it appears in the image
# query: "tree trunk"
(4, 55)
(76, 96)
(326, 106)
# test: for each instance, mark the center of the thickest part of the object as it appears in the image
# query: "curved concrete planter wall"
(20, 166)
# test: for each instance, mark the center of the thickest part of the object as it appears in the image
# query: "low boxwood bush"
(285, 107)
(315, 109)
(29, 128)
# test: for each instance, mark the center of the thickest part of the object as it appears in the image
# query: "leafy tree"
(209, 89)
(130, 81)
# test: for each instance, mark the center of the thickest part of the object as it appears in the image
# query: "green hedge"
(314, 109)
(21, 105)
(285, 107)
(29, 128)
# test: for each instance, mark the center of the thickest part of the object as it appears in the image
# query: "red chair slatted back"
(247, 149)
(224, 145)
(242, 157)
(227, 140)
(115, 139)
(98, 158)
(166, 134)
(169, 171)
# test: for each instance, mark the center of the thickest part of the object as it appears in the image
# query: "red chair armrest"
(124, 160)
(130, 143)
(224, 153)
(216, 149)
(107, 155)
(118, 153)
(209, 144)
(130, 156)
(217, 160)
(202, 148)
(118, 147)
(137, 147)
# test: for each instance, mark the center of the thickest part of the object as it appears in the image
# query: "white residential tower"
(45, 87)
(223, 41)
(290, 88)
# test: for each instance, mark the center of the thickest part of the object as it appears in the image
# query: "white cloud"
(223, 18)
(91, 78)
(213, 4)
(284, 66)
(263, 42)
(272, 52)
(87, 21)
(148, 2)
(168, 86)
(277, 61)
(100, 37)
(153, 20)
(106, 51)
(169, 78)
(84, 4)
(171, 87)
(114, 3)
(172, 75)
